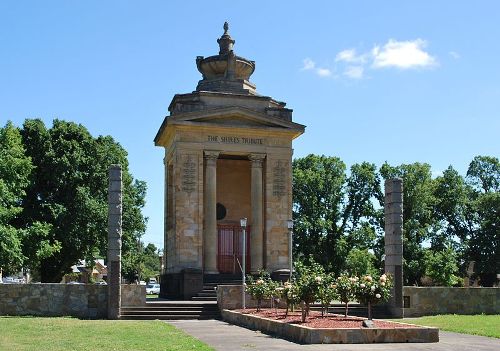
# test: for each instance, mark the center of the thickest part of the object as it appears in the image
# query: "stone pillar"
(210, 213)
(394, 242)
(163, 263)
(114, 241)
(256, 199)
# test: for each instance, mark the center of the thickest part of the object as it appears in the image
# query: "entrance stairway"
(201, 306)
(172, 310)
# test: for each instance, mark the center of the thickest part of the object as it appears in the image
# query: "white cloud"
(454, 54)
(349, 56)
(393, 54)
(354, 72)
(308, 64)
(346, 55)
(402, 54)
(323, 72)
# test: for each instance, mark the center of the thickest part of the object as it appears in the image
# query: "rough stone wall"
(82, 301)
(229, 297)
(77, 300)
(422, 301)
(133, 295)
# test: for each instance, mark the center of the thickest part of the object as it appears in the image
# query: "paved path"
(226, 337)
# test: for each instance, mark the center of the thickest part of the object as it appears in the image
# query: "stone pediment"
(232, 117)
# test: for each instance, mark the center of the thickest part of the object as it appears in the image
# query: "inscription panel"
(279, 178)
(235, 140)
(189, 173)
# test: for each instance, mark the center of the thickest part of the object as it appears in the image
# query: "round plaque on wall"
(221, 211)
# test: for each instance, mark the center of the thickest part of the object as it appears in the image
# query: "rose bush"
(371, 290)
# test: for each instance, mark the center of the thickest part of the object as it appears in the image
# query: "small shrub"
(372, 290)
(260, 288)
(345, 287)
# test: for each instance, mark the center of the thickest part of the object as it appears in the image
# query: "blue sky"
(372, 80)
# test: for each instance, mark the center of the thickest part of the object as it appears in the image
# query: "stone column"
(114, 241)
(394, 242)
(256, 199)
(165, 219)
(210, 213)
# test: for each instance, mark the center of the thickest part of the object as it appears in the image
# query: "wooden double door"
(230, 249)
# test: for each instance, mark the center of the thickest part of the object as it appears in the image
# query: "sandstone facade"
(228, 155)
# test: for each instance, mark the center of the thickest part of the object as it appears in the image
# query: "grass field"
(62, 334)
(485, 325)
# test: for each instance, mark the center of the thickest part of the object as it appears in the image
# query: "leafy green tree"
(360, 262)
(441, 267)
(333, 212)
(68, 190)
(483, 241)
(15, 168)
(141, 263)
(484, 174)
(468, 210)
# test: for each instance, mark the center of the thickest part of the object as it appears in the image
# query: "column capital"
(257, 159)
(211, 157)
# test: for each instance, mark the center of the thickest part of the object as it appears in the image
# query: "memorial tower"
(228, 153)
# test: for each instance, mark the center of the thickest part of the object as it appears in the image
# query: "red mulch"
(316, 321)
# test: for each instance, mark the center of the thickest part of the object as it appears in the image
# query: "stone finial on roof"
(225, 41)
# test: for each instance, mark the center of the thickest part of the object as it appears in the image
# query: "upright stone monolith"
(394, 242)
(114, 241)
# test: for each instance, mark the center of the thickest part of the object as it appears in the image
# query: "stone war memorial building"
(228, 153)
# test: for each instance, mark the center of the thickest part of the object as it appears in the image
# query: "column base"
(183, 285)
(211, 272)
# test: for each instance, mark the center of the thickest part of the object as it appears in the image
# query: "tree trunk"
(346, 309)
(369, 310)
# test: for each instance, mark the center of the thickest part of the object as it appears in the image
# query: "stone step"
(169, 317)
(167, 303)
(170, 312)
(204, 298)
(172, 308)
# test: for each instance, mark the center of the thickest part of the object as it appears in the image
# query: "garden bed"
(331, 329)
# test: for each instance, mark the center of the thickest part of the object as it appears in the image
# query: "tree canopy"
(62, 210)
(449, 220)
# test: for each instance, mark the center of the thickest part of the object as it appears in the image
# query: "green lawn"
(485, 325)
(62, 334)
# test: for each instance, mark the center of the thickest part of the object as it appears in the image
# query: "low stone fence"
(424, 301)
(133, 295)
(229, 297)
(77, 300)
